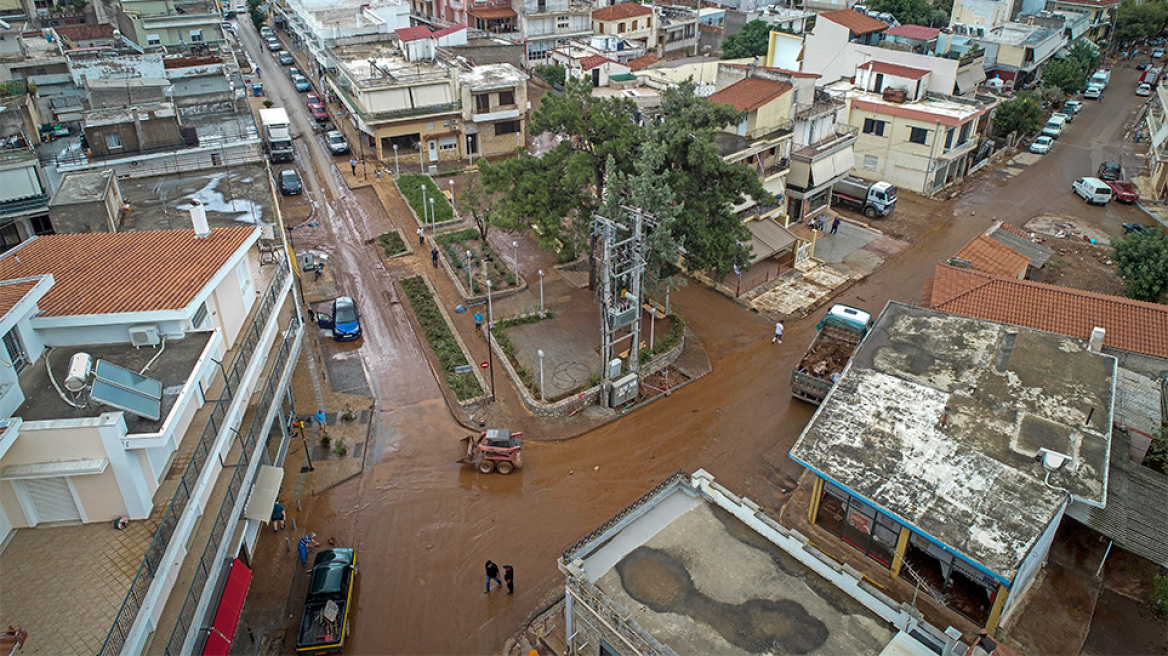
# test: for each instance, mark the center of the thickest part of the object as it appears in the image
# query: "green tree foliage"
(1086, 54)
(549, 193)
(1068, 75)
(915, 12)
(477, 203)
(1138, 21)
(752, 41)
(257, 16)
(1023, 113)
(553, 73)
(1141, 261)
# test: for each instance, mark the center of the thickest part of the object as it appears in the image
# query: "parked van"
(1100, 78)
(1093, 190)
(1054, 126)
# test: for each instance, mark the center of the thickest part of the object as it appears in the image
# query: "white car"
(1144, 90)
(1093, 92)
(1041, 145)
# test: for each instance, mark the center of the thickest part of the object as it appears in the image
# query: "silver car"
(336, 142)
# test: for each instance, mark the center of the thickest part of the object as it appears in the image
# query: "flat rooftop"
(172, 368)
(1017, 34)
(82, 187)
(702, 582)
(492, 76)
(119, 115)
(232, 196)
(929, 104)
(387, 65)
(938, 420)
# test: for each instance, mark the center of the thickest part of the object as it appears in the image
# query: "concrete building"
(783, 18)
(87, 201)
(677, 31)
(172, 25)
(494, 101)
(629, 21)
(1157, 140)
(1016, 52)
(137, 129)
(827, 48)
(86, 36)
(1100, 15)
(950, 448)
(24, 195)
(691, 568)
(581, 61)
(320, 24)
(548, 24)
(166, 450)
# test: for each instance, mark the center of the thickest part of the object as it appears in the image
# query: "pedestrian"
(353, 165)
(778, 333)
(478, 317)
(492, 574)
(835, 225)
(278, 517)
(421, 236)
(302, 547)
(434, 256)
(509, 577)
(258, 73)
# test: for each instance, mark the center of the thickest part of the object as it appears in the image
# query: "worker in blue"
(478, 317)
(302, 547)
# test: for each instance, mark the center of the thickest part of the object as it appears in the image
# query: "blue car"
(301, 83)
(345, 321)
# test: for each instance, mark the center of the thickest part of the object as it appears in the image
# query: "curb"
(457, 338)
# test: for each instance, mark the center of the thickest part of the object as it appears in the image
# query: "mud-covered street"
(423, 526)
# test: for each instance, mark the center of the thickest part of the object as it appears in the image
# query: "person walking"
(434, 256)
(302, 547)
(421, 236)
(278, 517)
(509, 577)
(492, 575)
(353, 165)
(778, 333)
(478, 317)
(835, 225)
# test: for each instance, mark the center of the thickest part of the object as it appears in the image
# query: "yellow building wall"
(771, 115)
(1011, 55)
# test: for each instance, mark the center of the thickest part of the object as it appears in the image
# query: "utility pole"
(622, 267)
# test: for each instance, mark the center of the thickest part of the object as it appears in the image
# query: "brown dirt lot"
(1081, 265)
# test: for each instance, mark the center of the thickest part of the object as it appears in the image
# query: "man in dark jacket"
(509, 577)
(492, 574)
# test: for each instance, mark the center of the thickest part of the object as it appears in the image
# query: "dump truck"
(324, 625)
(872, 199)
(496, 449)
(838, 334)
(277, 133)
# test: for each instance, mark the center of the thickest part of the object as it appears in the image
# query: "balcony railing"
(233, 375)
(840, 135)
(24, 205)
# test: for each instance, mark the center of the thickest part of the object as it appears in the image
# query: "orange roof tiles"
(110, 273)
(919, 32)
(12, 292)
(643, 61)
(621, 12)
(856, 22)
(1133, 326)
(592, 61)
(993, 257)
(85, 32)
(750, 94)
(894, 69)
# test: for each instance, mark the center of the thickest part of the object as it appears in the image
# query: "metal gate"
(803, 252)
(52, 500)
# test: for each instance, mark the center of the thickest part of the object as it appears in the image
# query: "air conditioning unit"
(144, 336)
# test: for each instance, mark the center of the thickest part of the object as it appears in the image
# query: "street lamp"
(515, 243)
(541, 396)
(433, 217)
(490, 351)
(541, 293)
(451, 192)
(396, 167)
(468, 282)
(425, 217)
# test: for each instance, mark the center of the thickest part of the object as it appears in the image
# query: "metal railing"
(24, 204)
(677, 476)
(223, 519)
(140, 586)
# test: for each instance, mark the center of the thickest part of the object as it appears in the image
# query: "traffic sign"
(464, 369)
(484, 364)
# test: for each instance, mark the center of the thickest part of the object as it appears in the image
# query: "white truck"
(839, 333)
(277, 132)
(873, 199)
(1100, 79)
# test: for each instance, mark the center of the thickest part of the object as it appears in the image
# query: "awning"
(968, 79)
(493, 13)
(842, 161)
(822, 171)
(222, 630)
(767, 237)
(264, 493)
(799, 175)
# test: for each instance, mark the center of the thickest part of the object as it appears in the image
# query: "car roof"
(289, 172)
(344, 300)
(334, 133)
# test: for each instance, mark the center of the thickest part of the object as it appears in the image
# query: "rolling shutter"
(52, 500)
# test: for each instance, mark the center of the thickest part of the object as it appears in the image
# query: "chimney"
(1095, 343)
(199, 219)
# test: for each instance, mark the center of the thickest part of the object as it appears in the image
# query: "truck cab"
(324, 625)
(872, 199)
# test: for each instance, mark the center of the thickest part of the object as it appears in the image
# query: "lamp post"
(541, 396)
(451, 192)
(469, 285)
(490, 351)
(425, 217)
(666, 300)
(652, 325)
(396, 166)
(515, 243)
(541, 293)
(433, 217)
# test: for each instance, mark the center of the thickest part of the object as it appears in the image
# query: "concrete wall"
(229, 304)
(77, 218)
(986, 14)
(770, 116)
(133, 65)
(637, 28)
(490, 52)
(156, 133)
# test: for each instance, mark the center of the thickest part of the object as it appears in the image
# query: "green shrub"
(411, 187)
(1160, 595)
(392, 243)
(440, 338)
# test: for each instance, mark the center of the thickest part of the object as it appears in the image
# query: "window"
(113, 141)
(872, 126)
(562, 23)
(599, 27)
(200, 318)
(482, 103)
(506, 127)
(620, 28)
(918, 135)
(634, 26)
(243, 274)
(507, 97)
(196, 36)
(448, 143)
(15, 351)
(41, 225)
(949, 139)
(153, 40)
(964, 134)
(870, 162)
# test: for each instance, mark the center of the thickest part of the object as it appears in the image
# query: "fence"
(140, 586)
(676, 477)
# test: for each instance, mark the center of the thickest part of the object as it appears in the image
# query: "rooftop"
(172, 368)
(118, 115)
(110, 273)
(621, 11)
(856, 22)
(231, 197)
(993, 257)
(644, 61)
(751, 93)
(414, 33)
(1021, 34)
(492, 76)
(894, 69)
(82, 187)
(85, 32)
(1131, 325)
(592, 61)
(382, 62)
(1018, 240)
(919, 32)
(948, 111)
(11, 291)
(938, 420)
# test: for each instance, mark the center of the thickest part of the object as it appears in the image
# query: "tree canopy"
(1069, 75)
(1138, 21)
(1023, 113)
(752, 41)
(1141, 261)
(915, 12)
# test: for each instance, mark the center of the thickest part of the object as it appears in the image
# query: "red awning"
(230, 607)
(492, 13)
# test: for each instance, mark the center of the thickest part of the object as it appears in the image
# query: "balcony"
(13, 208)
(841, 135)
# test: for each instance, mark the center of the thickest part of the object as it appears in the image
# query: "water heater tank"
(199, 218)
(79, 367)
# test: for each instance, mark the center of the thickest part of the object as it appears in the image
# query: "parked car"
(267, 32)
(1138, 228)
(312, 99)
(1144, 65)
(290, 183)
(1144, 90)
(345, 321)
(301, 83)
(1158, 53)
(1041, 145)
(274, 44)
(1092, 190)
(318, 112)
(1067, 117)
(1072, 107)
(293, 72)
(1094, 92)
(1110, 171)
(227, 27)
(336, 142)
(286, 59)
(1124, 191)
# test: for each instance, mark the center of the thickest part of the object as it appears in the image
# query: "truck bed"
(317, 634)
(829, 354)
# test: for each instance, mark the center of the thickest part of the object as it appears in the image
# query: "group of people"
(493, 575)
(816, 223)
(307, 542)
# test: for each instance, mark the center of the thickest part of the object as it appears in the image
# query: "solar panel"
(123, 399)
(128, 380)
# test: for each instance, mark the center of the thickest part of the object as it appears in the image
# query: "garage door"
(51, 499)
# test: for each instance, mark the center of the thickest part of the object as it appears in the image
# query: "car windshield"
(346, 312)
(290, 177)
(336, 138)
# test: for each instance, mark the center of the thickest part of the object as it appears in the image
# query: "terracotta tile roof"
(109, 273)
(592, 61)
(856, 22)
(993, 257)
(894, 69)
(621, 12)
(492, 13)
(913, 32)
(457, 27)
(85, 32)
(1013, 230)
(407, 34)
(644, 61)
(1133, 326)
(751, 93)
(12, 292)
